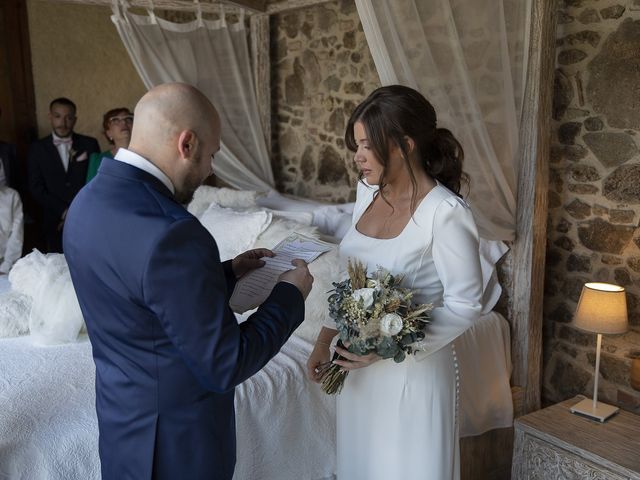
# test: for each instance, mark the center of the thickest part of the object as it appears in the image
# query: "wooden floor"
(487, 456)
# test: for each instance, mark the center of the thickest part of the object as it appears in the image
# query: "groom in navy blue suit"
(154, 294)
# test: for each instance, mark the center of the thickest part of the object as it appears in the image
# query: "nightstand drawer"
(554, 444)
(544, 461)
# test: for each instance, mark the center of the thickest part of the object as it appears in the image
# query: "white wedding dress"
(399, 420)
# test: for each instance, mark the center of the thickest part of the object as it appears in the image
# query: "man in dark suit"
(154, 295)
(9, 168)
(58, 169)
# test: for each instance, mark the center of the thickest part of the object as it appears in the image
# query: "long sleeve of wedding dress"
(457, 262)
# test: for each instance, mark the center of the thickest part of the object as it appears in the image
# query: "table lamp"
(602, 308)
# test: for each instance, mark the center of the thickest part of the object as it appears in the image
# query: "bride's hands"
(354, 361)
(318, 360)
(320, 357)
(249, 260)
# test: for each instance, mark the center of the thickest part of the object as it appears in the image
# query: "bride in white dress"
(399, 421)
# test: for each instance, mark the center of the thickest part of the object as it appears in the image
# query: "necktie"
(62, 141)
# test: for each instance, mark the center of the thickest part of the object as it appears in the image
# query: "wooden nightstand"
(554, 443)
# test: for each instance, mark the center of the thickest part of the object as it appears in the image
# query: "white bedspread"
(48, 427)
(285, 425)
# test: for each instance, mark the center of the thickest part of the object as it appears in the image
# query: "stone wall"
(322, 69)
(594, 198)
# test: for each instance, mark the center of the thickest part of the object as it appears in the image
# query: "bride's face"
(365, 159)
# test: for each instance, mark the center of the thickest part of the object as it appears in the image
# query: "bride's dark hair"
(394, 112)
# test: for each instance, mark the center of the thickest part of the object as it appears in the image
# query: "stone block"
(565, 243)
(614, 11)
(578, 209)
(610, 259)
(568, 131)
(562, 94)
(569, 377)
(576, 337)
(584, 173)
(621, 216)
(612, 368)
(634, 263)
(563, 226)
(589, 15)
(615, 72)
(593, 124)
(602, 236)
(579, 263)
(583, 188)
(622, 277)
(623, 185)
(571, 56)
(611, 148)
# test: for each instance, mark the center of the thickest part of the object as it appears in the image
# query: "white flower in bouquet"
(364, 294)
(391, 324)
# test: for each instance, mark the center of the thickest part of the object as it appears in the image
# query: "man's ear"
(187, 144)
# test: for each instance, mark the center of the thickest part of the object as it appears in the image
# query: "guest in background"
(58, 169)
(9, 168)
(11, 228)
(116, 126)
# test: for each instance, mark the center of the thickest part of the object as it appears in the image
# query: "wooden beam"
(287, 5)
(533, 183)
(232, 6)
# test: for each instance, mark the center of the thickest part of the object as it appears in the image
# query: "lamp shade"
(602, 308)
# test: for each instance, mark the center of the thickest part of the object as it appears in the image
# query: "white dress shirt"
(11, 228)
(63, 149)
(138, 161)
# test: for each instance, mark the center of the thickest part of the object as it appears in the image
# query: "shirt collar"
(138, 161)
(56, 137)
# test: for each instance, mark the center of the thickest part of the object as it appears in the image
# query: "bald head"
(166, 110)
(178, 129)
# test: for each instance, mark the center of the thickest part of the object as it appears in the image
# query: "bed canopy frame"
(523, 269)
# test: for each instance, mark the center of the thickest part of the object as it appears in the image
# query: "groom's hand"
(249, 260)
(299, 277)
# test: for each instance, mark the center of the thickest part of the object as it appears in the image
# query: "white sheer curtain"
(214, 57)
(467, 58)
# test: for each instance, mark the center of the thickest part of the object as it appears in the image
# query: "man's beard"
(191, 184)
(184, 197)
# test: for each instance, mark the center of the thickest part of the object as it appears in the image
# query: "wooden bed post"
(531, 232)
(261, 60)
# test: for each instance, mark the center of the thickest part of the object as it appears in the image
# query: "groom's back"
(146, 396)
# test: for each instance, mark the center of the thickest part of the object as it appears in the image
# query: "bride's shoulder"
(442, 194)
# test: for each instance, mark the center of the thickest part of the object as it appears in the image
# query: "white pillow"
(234, 231)
(205, 195)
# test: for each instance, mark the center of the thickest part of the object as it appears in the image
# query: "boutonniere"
(74, 157)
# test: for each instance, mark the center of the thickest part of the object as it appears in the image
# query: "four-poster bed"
(523, 268)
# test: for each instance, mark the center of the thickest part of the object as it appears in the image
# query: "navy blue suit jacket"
(167, 348)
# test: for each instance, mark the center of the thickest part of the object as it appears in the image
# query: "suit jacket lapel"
(54, 156)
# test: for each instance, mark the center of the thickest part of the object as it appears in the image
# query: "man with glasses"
(58, 169)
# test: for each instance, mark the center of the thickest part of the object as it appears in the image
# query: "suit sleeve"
(37, 184)
(457, 261)
(185, 285)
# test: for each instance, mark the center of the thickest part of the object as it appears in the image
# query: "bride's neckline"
(420, 203)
